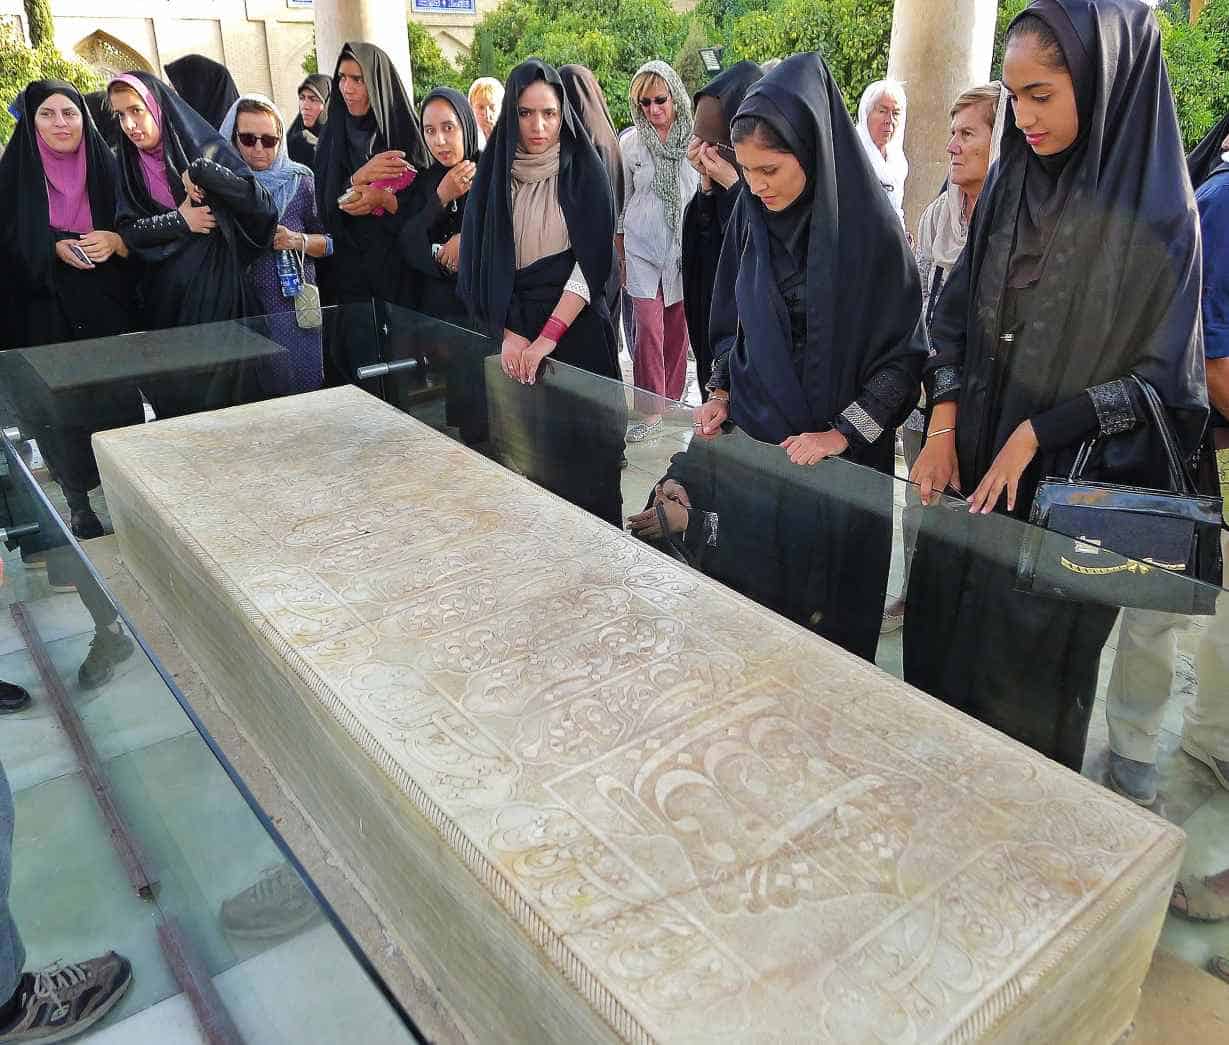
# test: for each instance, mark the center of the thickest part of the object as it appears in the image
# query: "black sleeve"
(889, 395)
(155, 231)
(948, 335)
(1104, 410)
(723, 316)
(249, 202)
(414, 239)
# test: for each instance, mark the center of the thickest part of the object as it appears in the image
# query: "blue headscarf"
(283, 175)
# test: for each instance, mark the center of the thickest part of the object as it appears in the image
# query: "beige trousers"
(1143, 674)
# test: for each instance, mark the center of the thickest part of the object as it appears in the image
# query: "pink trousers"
(660, 362)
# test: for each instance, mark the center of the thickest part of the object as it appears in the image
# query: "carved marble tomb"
(600, 797)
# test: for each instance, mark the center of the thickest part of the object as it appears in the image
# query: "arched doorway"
(110, 56)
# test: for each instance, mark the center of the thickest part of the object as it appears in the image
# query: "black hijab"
(429, 181)
(588, 102)
(730, 87)
(488, 253)
(205, 85)
(350, 141)
(23, 187)
(1118, 289)
(186, 136)
(1205, 157)
(863, 297)
(301, 141)
(1049, 180)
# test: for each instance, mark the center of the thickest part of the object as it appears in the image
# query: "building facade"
(262, 42)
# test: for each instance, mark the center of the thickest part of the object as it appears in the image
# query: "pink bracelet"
(554, 329)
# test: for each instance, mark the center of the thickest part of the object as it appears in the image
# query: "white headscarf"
(892, 171)
(282, 176)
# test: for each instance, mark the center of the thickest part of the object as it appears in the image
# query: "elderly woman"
(255, 127)
(536, 253)
(65, 269)
(881, 129)
(819, 350)
(308, 127)
(486, 98)
(660, 182)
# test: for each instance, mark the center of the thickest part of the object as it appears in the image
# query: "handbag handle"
(1180, 480)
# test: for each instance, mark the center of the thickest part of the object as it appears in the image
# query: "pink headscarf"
(153, 164)
(68, 197)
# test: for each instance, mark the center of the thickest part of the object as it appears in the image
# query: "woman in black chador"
(57, 192)
(536, 254)
(818, 351)
(193, 213)
(708, 213)
(371, 146)
(1082, 269)
(205, 85)
(431, 249)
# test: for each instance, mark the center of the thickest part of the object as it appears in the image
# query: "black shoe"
(62, 1001)
(13, 698)
(107, 648)
(86, 525)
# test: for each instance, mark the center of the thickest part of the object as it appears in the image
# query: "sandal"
(1201, 903)
(1219, 967)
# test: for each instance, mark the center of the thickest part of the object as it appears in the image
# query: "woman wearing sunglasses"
(256, 127)
(659, 183)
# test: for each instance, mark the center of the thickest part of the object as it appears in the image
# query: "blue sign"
(434, 7)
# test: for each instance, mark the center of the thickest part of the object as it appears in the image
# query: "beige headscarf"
(538, 226)
(943, 224)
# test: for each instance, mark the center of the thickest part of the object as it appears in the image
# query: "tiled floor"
(70, 894)
(73, 899)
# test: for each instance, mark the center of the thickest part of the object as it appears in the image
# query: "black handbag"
(1129, 546)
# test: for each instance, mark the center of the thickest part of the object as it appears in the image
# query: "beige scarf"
(538, 226)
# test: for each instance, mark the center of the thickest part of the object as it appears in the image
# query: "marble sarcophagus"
(598, 795)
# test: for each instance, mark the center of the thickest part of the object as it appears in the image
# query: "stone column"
(938, 50)
(380, 22)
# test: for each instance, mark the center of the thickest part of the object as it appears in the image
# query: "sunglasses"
(269, 141)
(661, 99)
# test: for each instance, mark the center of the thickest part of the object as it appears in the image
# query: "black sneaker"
(107, 648)
(86, 525)
(63, 1001)
(12, 698)
(277, 905)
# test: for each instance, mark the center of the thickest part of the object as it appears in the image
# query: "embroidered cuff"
(862, 423)
(944, 383)
(576, 283)
(720, 377)
(1112, 402)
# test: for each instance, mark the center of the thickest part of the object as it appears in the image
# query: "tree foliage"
(39, 23)
(21, 63)
(431, 66)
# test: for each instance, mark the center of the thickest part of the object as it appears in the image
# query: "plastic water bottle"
(288, 274)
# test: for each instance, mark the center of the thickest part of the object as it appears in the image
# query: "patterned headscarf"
(669, 154)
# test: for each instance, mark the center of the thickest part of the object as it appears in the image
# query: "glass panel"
(197, 882)
(1020, 627)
